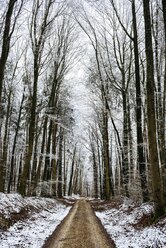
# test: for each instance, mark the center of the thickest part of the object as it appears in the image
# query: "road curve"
(80, 229)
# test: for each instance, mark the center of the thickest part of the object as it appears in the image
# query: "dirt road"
(80, 229)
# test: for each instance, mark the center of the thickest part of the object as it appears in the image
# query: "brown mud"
(80, 229)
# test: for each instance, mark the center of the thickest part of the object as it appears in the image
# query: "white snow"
(119, 224)
(31, 232)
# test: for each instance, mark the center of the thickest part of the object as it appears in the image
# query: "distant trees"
(38, 36)
(37, 118)
(7, 31)
(126, 132)
(140, 148)
(118, 72)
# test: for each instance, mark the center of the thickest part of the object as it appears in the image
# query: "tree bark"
(140, 148)
(6, 42)
(37, 41)
(150, 87)
(59, 164)
(95, 168)
(163, 142)
(11, 171)
(125, 162)
(3, 59)
(71, 173)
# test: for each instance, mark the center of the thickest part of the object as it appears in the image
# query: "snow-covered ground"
(32, 231)
(126, 223)
(123, 224)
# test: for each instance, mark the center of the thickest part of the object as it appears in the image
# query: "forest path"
(80, 229)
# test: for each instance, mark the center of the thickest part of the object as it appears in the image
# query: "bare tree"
(163, 145)
(9, 27)
(140, 149)
(38, 38)
(150, 84)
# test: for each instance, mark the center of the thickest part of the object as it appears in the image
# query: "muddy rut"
(80, 229)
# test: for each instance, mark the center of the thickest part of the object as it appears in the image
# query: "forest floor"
(28, 222)
(80, 229)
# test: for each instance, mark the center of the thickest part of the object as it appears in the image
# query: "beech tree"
(38, 38)
(40, 154)
(140, 148)
(7, 32)
(151, 117)
(9, 27)
(12, 169)
(95, 164)
(70, 187)
(164, 108)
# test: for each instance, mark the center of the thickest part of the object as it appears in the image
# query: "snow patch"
(120, 223)
(34, 231)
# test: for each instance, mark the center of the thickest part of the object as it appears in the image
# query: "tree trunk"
(150, 84)
(125, 162)
(3, 59)
(11, 172)
(140, 148)
(53, 161)
(131, 149)
(59, 163)
(38, 173)
(31, 132)
(47, 166)
(6, 138)
(37, 42)
(32, 190)
(64, 165)
(6, 42)
(95, 169)
(163, 142)
(71, 173)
